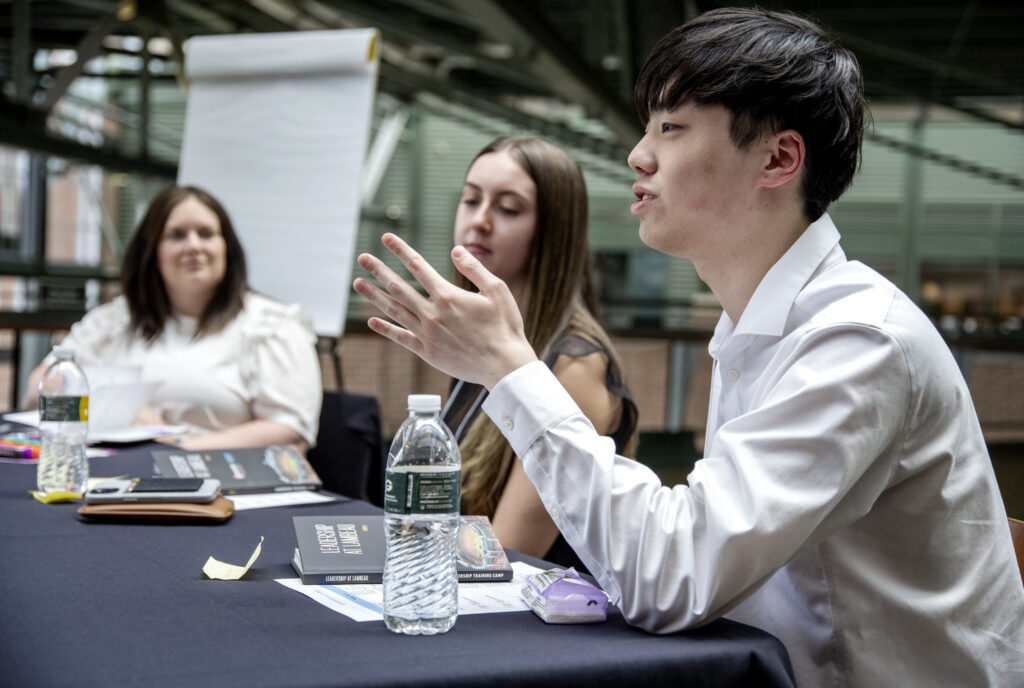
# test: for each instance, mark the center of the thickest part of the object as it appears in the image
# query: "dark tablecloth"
(89, 604)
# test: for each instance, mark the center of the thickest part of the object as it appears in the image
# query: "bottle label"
(63, 409)
(421, 492)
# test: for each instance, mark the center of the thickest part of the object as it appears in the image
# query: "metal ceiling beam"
(941, 71)
(563, 71)
(26, 133)
(402, 75)
(21, 62)
(983, 114)
(951, 72)
(88, 48)
(396, 29)
(398, 78)
(931, 155)
(197, 13)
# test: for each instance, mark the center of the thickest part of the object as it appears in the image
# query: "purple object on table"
(561, 596)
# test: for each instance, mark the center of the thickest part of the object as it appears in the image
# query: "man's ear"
(785, 158)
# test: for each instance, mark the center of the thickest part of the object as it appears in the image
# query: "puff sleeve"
(94, 336)
(279, 365)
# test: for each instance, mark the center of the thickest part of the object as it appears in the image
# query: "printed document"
(362, 602)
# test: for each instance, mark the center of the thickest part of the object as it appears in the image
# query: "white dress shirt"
(261, 365)
(845, 503)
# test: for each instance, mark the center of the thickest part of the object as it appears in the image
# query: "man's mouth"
(643, 197)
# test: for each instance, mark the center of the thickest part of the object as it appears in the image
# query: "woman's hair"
(143, 285)
(772, 71)
(560, 298)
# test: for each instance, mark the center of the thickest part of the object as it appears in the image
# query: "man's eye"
(667, 127)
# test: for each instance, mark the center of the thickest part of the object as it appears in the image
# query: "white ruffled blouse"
(262, 365)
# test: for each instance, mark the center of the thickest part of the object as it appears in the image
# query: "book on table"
(336, 550)
(241, 471)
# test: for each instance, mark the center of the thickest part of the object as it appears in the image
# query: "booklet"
(241, 471)
(350, 549)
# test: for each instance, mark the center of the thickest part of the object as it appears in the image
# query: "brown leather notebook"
(218, 510)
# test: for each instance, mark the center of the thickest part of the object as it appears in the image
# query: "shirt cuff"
(526, 403)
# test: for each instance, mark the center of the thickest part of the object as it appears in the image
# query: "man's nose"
(640, 158)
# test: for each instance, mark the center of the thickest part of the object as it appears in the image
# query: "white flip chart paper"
(276, 128)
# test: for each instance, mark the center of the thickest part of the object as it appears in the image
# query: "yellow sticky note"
(58, 496)
(55, 497)
(218, 570)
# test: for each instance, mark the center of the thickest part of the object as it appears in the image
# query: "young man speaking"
(845, 502)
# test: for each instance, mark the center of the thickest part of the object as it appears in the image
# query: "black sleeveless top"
(465, 399)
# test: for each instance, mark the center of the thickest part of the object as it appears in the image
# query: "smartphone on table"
(154, 491)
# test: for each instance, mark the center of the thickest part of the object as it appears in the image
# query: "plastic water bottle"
(421, 501)
(63, 425)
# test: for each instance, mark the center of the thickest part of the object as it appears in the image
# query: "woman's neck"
(190, 306)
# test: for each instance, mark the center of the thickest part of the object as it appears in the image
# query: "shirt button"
(734, 374)
(509, 424)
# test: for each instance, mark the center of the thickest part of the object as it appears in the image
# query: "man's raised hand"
(477, 337)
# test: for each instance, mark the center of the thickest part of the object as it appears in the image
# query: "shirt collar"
(182, 324)
(768, 309)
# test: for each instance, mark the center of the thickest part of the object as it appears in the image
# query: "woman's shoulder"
(575, 344)
(101, 326)
(110, 317)
(578, 360)
(263, 316)
(589, 371)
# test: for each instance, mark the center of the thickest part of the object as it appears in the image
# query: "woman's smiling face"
(192, 255)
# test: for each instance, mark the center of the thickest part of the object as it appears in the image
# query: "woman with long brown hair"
(523, 214)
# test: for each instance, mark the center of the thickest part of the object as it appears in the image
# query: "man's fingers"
(475, 271)
(394, 293)
(396, 334)
(386, 304)
(442, 328)
(419, 268)
(385, 276)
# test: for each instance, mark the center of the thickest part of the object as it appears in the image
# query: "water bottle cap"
(63, 353)
(424, 403)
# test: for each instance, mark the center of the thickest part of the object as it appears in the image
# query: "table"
(88, 603)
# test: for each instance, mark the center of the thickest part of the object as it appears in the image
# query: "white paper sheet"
(363, 602)
(266, 500)
(277, 128)
(126, 435)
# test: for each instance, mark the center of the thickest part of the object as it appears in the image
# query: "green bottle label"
(63, 409)
(421, 491)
